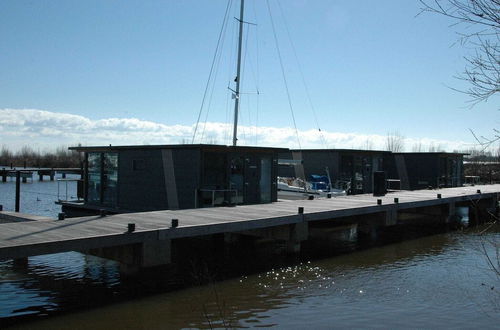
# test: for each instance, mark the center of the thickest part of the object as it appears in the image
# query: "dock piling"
(18, 189)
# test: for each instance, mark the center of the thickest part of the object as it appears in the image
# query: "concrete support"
(292, 234)
(156, 253)
(391, 217)
(134, 257)
(452, 211)
(368, 231)
(297, 233)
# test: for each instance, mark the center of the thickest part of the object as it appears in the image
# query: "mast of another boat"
(238, 78)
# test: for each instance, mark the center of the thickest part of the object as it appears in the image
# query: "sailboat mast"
(238, 78)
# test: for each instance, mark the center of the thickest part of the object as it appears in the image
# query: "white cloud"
(45, 129)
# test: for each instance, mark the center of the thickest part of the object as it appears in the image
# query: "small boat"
(316, 187)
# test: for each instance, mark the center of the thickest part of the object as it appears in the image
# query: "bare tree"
(368, 145)
(395, 142)
(417, 147)
(482, 19)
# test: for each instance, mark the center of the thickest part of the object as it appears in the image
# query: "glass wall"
(236, 181)
(110, 179)
(94, 177)
(265, 180)
(102, 178)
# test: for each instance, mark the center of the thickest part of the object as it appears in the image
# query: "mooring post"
(18, 189)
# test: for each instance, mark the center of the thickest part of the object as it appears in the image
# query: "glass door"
(265, 180)
(94, 178)
(110, 179)
(102, 178)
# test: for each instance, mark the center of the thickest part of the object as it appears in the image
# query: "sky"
(135, 72)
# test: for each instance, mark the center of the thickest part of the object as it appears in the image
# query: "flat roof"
(341, 150)
(211, 147)
(431, 153)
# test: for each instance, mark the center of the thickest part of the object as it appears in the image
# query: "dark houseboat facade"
(158, 177)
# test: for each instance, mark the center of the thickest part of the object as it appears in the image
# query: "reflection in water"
(440, 280)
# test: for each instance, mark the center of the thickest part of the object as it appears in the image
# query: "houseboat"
(120, 179)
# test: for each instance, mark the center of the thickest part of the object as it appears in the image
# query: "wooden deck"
(35, 236)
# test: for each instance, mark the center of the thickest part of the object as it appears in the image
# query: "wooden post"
(18, 189)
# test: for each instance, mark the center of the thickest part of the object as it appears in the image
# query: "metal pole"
(238, 78)
(18, 189)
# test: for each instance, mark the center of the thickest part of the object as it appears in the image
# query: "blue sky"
(371, 67)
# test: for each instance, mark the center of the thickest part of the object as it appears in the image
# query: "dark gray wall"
(141, 189)
(187, 165)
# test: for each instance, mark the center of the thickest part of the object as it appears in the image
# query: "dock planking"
(28, 238)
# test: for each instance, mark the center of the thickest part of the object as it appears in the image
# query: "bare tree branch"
(482, 17)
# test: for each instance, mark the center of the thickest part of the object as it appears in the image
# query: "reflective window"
(265, 180)
(102, 178)
(236, 181)
(94, 177)
(110, 178)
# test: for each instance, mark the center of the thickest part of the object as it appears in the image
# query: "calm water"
(439, 281)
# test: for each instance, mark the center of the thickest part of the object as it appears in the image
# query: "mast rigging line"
(224, 23)
(283, 73)
(323, 140)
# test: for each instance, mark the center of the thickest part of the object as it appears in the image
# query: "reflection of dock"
(147, 239)
(27, 172)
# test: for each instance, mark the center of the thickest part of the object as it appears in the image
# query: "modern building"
(156, 177)
(421, 170)
(348, 169)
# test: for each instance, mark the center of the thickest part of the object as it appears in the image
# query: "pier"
(27, 172)
(146, 239)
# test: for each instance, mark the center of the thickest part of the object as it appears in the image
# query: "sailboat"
(297, 188)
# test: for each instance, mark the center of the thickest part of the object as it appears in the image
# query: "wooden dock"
(35, 236)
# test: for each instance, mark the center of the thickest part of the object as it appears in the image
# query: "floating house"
(348, 169)
(421, 170)
(157, 177)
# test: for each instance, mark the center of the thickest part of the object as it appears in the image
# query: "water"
(37, 197)
(438, 281)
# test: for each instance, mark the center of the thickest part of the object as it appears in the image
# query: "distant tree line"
(27, 156)
(483, 163)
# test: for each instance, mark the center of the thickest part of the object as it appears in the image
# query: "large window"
(265, 180)
(102, 178)
(94, 178)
